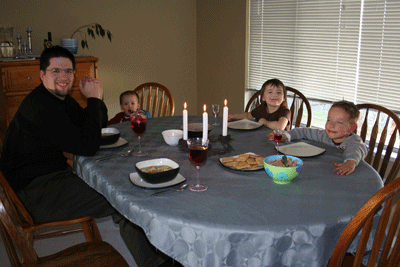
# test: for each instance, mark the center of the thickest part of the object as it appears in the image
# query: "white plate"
(301, 149)
(232, 168)
(136, 180)
(121, 141)
(244, 124)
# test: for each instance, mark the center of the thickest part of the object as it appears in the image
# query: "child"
(273, 111)
(129, 101)
(339, 128)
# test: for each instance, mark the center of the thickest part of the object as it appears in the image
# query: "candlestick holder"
(218, 145)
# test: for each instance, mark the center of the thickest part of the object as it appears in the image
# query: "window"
(328, 49)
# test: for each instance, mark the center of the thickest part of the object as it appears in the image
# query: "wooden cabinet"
(19, 78)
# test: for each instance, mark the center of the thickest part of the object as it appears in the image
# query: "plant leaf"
(83, 44)
(109, 35)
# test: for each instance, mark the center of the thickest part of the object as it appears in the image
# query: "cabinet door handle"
(29, 78)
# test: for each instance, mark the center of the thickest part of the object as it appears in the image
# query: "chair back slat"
(384, 236)
(21, 240)
(156, 99)
(387, 156)
(380, 232)
(390, 236)
(372, 141)
(362, 243)
(255, 101)
(9, 245)
(16, 203)
(364, 126)
(381, 145)
(161, 105)
(382, 139)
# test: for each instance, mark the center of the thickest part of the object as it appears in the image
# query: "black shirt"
(44, 127)
(262, 112)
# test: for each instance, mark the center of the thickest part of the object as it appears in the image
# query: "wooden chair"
(156, 98)
(378, 128)
(94, 252)
(83, 224)
(296, 108)
(386, 239)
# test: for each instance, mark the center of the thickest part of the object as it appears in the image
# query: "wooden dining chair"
(297, 107)
(156, 98)
(93, 252)
(83, 224)
(386, 241)
(378, 128)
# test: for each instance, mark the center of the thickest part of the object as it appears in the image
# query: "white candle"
(185, 122)
(225, 119)
(205, 123)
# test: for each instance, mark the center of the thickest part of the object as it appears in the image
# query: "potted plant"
(92, 30)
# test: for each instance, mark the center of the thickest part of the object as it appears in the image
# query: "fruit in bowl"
(171, 137)
(109, 136)
(156, 171)
(279, 173)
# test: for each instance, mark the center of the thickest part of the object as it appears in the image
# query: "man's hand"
(90, 87)
(345, 168)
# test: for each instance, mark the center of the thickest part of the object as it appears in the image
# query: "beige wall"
(195, 48)
(221, 43)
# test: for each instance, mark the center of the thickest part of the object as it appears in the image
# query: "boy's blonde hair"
(349, 108)
(126, 93)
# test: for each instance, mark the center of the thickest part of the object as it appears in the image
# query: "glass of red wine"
(139, 122)
(278, 138)
(198, 149)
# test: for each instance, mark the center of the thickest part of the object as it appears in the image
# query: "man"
(49, 122)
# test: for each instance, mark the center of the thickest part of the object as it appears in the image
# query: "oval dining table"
(244, 218)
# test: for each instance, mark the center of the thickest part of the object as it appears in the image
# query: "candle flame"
(225, 102)
(184, 105)
(205, 108)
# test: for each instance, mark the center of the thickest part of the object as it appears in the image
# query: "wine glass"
(215, 108)
(139, 122)
(198, 149)
(278, 138)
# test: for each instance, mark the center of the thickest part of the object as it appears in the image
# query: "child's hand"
(271, 136)
(345, 168)
(231, 117)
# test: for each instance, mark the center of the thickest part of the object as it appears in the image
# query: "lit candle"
(205, 123)
(185, 122)
(225, 119)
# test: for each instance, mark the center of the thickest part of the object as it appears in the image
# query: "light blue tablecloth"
(243, 219)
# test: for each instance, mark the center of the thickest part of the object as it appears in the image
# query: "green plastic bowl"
(282, 175)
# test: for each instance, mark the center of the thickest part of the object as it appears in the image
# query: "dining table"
(243, 218)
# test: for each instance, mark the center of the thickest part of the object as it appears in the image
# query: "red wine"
(138, 127)
(277, 137)
(198, 154)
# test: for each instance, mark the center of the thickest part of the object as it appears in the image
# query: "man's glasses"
(56, 71)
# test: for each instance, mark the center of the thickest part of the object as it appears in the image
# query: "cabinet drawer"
(23, 78)
(12, 105)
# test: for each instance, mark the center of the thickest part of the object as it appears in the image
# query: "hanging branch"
(93, 29)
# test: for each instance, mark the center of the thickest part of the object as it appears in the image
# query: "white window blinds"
(328, 49)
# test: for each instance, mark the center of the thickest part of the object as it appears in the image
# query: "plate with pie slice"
(243, 162)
